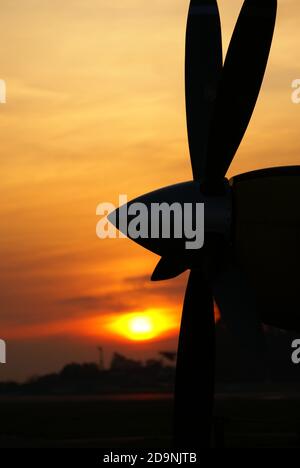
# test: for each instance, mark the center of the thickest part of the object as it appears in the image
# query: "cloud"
(105, 302)
(135, 293)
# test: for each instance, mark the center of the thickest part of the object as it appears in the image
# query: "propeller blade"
(203, 66)
(196, 354)
(239, 309)
(168, 268)
(241, 81)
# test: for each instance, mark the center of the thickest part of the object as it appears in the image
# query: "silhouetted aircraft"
(249, 261)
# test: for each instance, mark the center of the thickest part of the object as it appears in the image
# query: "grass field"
(142, 421)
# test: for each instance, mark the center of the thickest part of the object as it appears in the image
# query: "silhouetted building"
(169, 355)
(120, 362)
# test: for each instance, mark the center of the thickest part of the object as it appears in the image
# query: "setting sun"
(142, 326)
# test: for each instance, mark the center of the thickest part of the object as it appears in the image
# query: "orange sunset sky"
(95, 107)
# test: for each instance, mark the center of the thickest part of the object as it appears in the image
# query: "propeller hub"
(176, 218)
